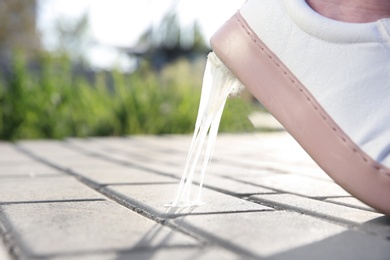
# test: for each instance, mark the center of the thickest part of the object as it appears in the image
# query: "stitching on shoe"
(377, 167)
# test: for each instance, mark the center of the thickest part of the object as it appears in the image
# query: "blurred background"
(108, 67)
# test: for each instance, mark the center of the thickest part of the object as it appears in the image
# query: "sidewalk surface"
(104, 198)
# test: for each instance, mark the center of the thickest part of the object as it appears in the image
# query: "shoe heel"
(218, 84)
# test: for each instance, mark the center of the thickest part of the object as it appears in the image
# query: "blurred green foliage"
(51, 102)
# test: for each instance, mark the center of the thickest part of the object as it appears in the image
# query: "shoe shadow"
(371, 240)
(163, 239)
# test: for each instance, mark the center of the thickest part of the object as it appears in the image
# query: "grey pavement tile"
(35, 190)
(233, 187)
(9, 154)
(254, 162)
(78, 160)
(261, 234)
(237, 154)
(14, 159)
(117, 174)
(279, 159)
(144, 151)
(103, 159)
(144, 160)
(323, 209)
(6, 147)
(79, 228)
(267, 148)
(60, 154)
(205, 253)
(94, 142)
(65, 158)
(177, 142)
(27, 168)
(229, 170)
(46, 147)
(351, 202)
(89, 163)
(160, 156)
(149, 164)
(179, 145)
(148, 159)
(169, 145)
(112, 147)
(154, 198)
(311, 171)
(293, 183)
(271, 143)
(57, 157)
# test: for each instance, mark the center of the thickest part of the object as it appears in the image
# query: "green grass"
(53, 103)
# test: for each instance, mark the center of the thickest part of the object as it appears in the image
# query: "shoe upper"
(345, 66)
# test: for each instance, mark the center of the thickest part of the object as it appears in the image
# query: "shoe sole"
(285, 97)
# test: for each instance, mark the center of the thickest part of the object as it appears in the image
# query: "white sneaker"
(327, 82)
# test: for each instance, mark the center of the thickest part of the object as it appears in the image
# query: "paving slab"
(38, 190)
(150, 164)
(26, 169)
(230, 170)
(10, 155)
(80, 161)
(155, 198)
(350, 202)
(176, 142)
(53, 229)
(317, 207)
(261, 234)
(117, 174)
(52, 148)
(229, 186)
(146, 163)
(126, 148)
(296, 184)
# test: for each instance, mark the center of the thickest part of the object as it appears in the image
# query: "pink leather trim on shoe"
(271, 82)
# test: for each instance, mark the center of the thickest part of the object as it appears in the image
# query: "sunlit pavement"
(105, 198)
